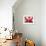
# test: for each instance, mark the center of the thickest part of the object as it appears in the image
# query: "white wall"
(6, 13)
(43, 22)
(37, 28)
(30, 31)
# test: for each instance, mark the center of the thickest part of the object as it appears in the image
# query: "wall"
(43, 22)
(30, 31)
(6, 13)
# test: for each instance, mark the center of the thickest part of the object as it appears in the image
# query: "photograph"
(28, 19)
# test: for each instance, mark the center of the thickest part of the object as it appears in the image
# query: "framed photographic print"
(28, 19)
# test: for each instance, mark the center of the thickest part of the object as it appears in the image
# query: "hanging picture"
(28, 19)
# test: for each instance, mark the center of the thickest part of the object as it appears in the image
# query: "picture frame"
(28, 19)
